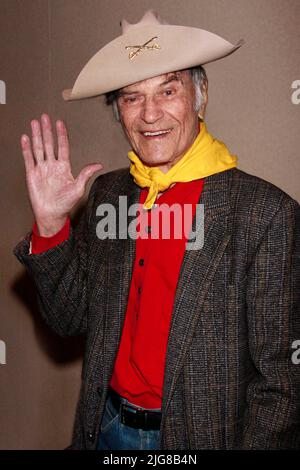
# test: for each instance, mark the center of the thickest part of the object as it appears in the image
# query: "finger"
(63, 141)
(27, 153)
(37, 142)
(47, 136)
(86, 173)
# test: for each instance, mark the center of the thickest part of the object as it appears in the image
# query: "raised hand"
(53, 191)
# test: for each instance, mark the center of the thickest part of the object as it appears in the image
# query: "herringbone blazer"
(230, 380)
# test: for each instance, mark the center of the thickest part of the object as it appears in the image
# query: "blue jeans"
(115, 435)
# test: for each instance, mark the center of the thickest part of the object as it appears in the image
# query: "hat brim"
(180, 47)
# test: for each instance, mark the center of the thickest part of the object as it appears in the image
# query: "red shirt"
(139, 367)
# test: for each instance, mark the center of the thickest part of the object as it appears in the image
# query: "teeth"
(155, 133)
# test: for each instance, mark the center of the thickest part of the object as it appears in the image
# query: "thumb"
(86, 173)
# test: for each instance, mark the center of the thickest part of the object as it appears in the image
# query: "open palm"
(53, 191)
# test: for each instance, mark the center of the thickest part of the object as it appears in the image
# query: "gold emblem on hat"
(143, 47)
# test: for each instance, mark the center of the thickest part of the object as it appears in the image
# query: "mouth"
(160, 134)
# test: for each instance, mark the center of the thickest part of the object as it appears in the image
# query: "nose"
(151, 111)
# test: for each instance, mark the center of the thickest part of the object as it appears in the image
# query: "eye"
(130, 99)
(168, 92)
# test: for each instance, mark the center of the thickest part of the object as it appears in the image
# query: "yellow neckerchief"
(205, 157)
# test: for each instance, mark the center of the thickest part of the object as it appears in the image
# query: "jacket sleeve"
(272, 418)
(60, 276)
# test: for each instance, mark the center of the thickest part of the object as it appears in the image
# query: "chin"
(155, 161)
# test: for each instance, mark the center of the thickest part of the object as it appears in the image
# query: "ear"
(204, 91)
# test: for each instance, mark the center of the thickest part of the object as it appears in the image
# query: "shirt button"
(141, 262)
(139, 290)
(90, 436)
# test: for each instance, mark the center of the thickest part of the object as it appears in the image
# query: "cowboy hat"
(144, 50)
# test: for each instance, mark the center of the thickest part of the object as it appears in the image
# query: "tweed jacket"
(230, 381)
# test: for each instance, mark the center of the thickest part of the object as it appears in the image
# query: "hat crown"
(150, 18)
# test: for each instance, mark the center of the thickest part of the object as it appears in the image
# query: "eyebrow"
(174, 77)
(123, 93)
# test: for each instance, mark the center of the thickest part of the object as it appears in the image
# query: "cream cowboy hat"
(145, 50)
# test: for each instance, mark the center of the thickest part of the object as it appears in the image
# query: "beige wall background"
(43, 46)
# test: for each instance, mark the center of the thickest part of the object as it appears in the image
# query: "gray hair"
(199, 78)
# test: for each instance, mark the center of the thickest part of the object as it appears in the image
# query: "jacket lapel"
(197, 271)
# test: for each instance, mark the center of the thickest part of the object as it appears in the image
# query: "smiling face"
(159, 118)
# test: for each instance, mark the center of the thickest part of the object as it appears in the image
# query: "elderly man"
(185, 349)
